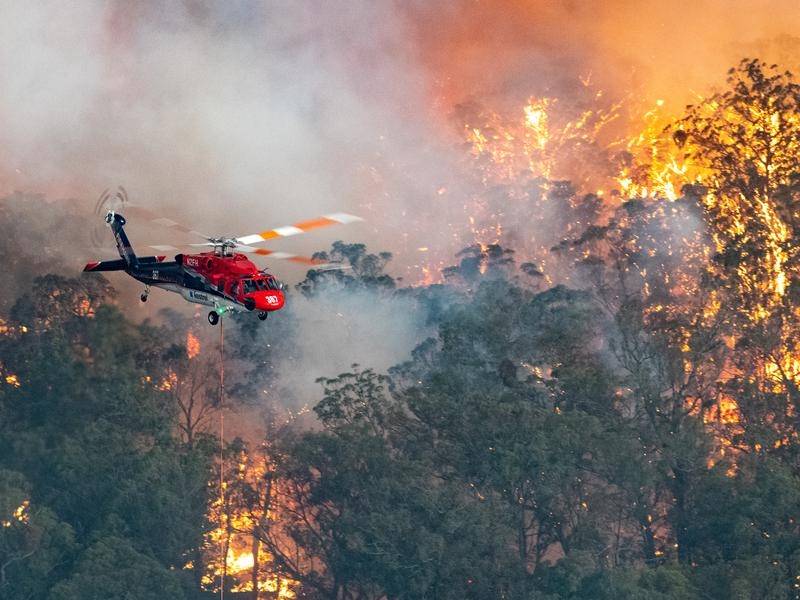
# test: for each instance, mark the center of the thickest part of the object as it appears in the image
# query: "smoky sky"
(237, 116)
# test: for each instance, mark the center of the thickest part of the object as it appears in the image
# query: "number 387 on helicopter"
(222, 277)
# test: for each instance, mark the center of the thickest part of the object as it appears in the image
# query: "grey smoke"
(339, 327)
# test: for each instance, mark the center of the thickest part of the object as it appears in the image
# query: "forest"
(609, 413)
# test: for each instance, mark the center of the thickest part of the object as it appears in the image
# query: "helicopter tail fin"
(117, 222)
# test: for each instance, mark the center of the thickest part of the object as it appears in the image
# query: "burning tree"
(245, 514)
(632, 436)
(194, 387)
(745, 142)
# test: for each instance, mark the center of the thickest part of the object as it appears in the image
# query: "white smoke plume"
(339, 327)
(241, 115)
(231, 116)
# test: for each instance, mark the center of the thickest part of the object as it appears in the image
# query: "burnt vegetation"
(630, 432)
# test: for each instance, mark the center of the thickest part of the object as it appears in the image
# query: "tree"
(747, 138)
(111, 569)
(35, 548)
(744, 529)
(371, 522)
(90, 427)
(511, 392)
(745, 141)
(358, 268)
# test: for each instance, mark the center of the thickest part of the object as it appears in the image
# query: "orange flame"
(192, 345)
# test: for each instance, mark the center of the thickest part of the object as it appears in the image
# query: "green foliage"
(357, 268)
(111, 569)
(663, 583)
(378, 521)
(34, 545)
(476, 261)
(353, 398)
(91, 438)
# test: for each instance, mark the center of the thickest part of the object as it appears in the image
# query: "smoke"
(510, 49)
(36, 237)
(237, 116)
(241, 115)
(231, 116)
(338, 327)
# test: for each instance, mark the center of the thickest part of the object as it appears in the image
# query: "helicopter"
(222, 278)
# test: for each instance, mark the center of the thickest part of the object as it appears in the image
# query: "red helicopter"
(223, 277)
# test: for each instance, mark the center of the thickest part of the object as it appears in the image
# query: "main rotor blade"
(139, 212)
(305, 260)
(165, 248)
(298, 228)
(170, 248)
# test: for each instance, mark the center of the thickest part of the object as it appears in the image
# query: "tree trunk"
(679, 491)
(255, 548)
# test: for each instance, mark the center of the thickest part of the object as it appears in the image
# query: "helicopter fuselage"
(226, 281)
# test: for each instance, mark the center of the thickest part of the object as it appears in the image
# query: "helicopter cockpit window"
(249, 286)
(272, 284)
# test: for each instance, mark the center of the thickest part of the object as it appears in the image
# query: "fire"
(247, 563)
(726, 411)
(168, 382)
(589, 146)
(20, 515)
(547, 139)
(555, 152)
(13, 381)
(536, 122)
(8, 330)
(629, 149)
(192, 345)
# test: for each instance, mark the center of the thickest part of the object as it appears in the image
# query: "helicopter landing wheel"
(263, 315)
(213, 317)
(143, 297)
(146, 293)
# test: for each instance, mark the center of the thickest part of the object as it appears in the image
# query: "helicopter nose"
(270, 300)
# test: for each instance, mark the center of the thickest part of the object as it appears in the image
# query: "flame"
(549, 140)
(727, 411)
(20, 515)
(632, 150)
(168, 382)
(546, 139)
(235, 527)
(13, 380)
(553, 150)
(192, 345)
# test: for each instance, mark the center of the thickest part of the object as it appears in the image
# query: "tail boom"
(120, 264)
